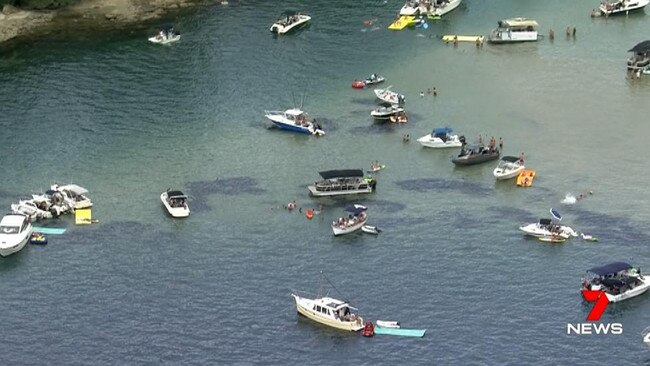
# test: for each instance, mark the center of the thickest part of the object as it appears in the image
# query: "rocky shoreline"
(16, 24)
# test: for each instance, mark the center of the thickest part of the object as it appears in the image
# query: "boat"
(384, 112)
(165, 36)
(639, 62)
(38, 238)
(294, 120)
(389, 96)
(176, 203)
(475, 154)
(54, 201)
(607, 8)
(402, 22)
(342, 182)
(618, 280)
(441, 138)
(387, 324)
(355, 220)
(374, 79)
(410, 8)
(370, 229)
(508, 167)
(15, 232)
(375, 166)
(368, 330)
(590, 238)
(458, 38)
(74, 194)
(330, 312)
(31, 209)
(289, 21)
(547, 228)
(526, 177)
(514, 30)
(438, 8)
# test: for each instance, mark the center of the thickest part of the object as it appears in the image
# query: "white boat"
(31, 209)
(639, 62)
(385, 112)
(410, 8)
(352, 223)
(621, 6)
(74, 194)
(389, 96)
(329, 311)
(54, 201)
(508, 167)
(514, 30)
(546, 228)
(289, 22)
(619, 280)
(374, 79)
(342, 182)
(441, 138)
(437, 8)
(176, 203)
(165, 36)
(388, 324)
(15, 231)
(295, 120)
(370, 229)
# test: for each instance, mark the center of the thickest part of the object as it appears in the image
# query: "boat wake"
(569, 199)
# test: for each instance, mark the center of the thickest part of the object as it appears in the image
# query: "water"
(128, 119)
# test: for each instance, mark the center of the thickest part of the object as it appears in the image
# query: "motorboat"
(176, 203)
(330, 312)
(514, 30)
(441, 138)
(384, 112)
(389, 96)
(355, 220)
(547, 228)
(618, 280)
(410, 8)
(370, 229)
(54, 201)
(342, 182)
(508, 167)
(294, 120)
(289, 21)
(399, 117)
(374, 79)
(475, 154)
(375, 166)
(437, 8)
(74, 194)
(30, 208)
(15, 231)
(639, 62)
(165, 36)
(607, 8)
(388, 324)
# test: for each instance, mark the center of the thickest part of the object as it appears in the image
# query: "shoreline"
(17, 24)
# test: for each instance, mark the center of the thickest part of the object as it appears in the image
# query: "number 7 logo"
(601, 301)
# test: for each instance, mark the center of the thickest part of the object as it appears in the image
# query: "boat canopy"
(347, 173)
(643, 47)
(76, 189)
(176, 194)
(441, 131)
(611, 268)
(518, 22)
(544, 221)
(294, 112)
(510, 159)
(556, 215)
(356, 209)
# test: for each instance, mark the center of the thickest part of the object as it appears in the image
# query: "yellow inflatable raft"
(454, 37)
(402, 22)
(526, 177)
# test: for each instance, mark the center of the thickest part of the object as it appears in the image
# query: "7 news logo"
(600, 300)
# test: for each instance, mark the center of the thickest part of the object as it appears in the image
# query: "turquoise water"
(128, 119)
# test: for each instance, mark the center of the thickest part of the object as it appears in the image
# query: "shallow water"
(128, 119)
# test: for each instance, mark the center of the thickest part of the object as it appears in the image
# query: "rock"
(9, 9)
(111, 16)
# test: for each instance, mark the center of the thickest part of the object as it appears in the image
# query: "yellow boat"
(526, 177)
(454, 37)
(402, 22)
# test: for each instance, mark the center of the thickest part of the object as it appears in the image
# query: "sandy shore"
(16, 23)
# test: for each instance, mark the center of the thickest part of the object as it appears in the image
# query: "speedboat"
(74, 194)
(388, 324)
(441, 138)
(329, 311)
(165, 36)
(15, 231)
(370, 229)
(352, 223)
(508, 167)
(342, 182)
(639, 62)
(176, 203)
(547, 228)
(374, 79)
(514, 30)
(410, 8)
(475, 154)
(389, 96)
(386, 111)
(31, 209)
(618, 280)
(621, 6)
(288, 22)
(439, 8)
(294, 120)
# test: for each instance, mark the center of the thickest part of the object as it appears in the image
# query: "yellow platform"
(452, 37)
(403, 22)
(83, 216)
(526, 177)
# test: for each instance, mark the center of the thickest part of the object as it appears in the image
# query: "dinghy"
(387, 324)
(371, 230)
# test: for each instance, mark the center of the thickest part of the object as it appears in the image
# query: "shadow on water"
(137, 232)
(13, 261)
(618, 229)
(227, 186)
(510, 214)
(430, 184)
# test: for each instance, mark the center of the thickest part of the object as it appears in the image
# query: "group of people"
(350, 220)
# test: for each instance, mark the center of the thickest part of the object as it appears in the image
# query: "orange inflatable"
(309, 214)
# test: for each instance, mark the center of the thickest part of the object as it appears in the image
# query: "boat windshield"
(9, 229)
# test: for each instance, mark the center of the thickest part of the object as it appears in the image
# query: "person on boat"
(500, 143)
(521, 158)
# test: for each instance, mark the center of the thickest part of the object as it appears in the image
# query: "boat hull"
(337, 230)
(475, 159)
(10, 244)
(623, 10)
(442, 10)
(640, 289)
(352, 326)
(157, 40)
(316, 193)
(503, 174)
(292, 128)
(280, 29)
(437, 143)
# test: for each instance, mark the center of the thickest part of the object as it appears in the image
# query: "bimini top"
(356, 209)
(517, 22)
(556, 215)
(348, 173)
(611, 268)
(642, 47)
(510, 159)
(74, 188)
(175, 194)
(441, 131)
(544, 221)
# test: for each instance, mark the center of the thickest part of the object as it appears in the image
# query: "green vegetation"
(38, 4)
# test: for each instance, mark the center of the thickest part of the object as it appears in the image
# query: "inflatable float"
(402, 22)
(526, 177)
(455, 37)
(38, 238)
(552, 239)
(358, 84)
(309, 214)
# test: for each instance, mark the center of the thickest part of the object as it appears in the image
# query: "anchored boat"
(441, 138)
(355, 221)
(15, 231)
(514, 30)
(618, 280)
(342, 182)
(289, 21)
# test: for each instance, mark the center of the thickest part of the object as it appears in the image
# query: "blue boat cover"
(556, 215)
(611, 268)
(441, 131)
(356, 209)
